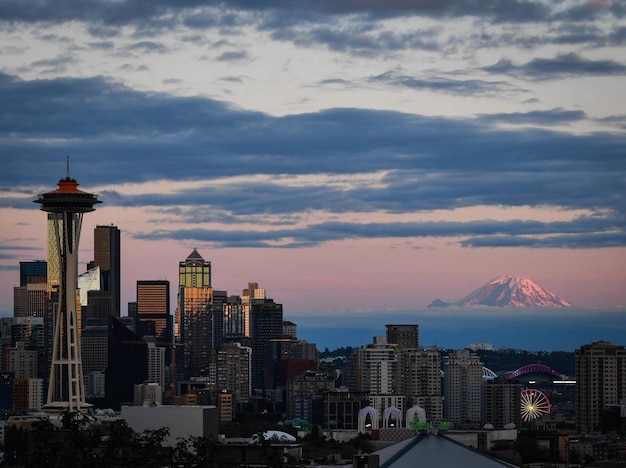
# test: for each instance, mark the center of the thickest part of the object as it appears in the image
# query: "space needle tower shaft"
(68, 204)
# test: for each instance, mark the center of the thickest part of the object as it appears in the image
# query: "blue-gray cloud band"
(117, 135)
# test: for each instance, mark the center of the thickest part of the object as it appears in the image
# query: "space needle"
(66, 390)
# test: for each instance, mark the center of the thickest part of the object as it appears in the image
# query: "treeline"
(79, 443)
(344, 351)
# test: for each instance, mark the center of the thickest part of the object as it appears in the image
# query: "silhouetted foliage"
(78, 442)
(530, 451)
(15, 444)
(344, 351)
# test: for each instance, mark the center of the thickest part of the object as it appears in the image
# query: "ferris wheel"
(534, 404)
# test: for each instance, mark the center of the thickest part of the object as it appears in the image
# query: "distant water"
(533, 329)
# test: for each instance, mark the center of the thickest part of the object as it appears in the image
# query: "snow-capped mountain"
(509, 291)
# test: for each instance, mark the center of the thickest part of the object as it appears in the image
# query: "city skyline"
(349, 157)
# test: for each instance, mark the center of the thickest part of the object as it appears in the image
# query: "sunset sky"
(349, 156)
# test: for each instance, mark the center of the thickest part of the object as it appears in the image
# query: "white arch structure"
(363, 414)
(388, 413)
(413, 412)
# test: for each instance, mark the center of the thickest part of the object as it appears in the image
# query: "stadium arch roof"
(535, 369)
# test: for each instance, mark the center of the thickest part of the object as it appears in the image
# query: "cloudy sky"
(347, 155)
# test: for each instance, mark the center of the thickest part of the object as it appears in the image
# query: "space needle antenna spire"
(67, 164)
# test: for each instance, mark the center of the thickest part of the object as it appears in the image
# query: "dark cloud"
(55, 65)
(233, 79)
(348, 26)
(583, 234)
(116, 135)
(103, 45)
(233, 56)
(539, 118)
(618, 36)
(444, 85)
(126, 12)
(360, 38)
(146, 47)
(561, 66)
(587, 241)
(582, 11)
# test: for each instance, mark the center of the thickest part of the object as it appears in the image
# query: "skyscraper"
(194, 271)
(194, 315)
(249, 295)
(127, 363)
(600, 382)
(266, 324)
(463, 384)
(106, 255)
(153, 312)
(67, 204)
(95, 348)
(233, 319)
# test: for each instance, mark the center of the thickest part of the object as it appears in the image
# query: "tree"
(196, 451)
(15, 444)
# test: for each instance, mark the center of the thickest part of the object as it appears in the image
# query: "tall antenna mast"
(67, 163)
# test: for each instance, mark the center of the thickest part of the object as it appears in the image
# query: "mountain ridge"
(508, 291)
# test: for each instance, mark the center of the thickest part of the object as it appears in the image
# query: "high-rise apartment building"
(30, 297)
(106, 256)
(600, 382)
(420, 380)
(502, 402)
(234, 371)
(156, 363)
(302, 390)
(27, 394)
(30, 331)
(406, 336)
(463, 385)
(23, 362)
(375, 368)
